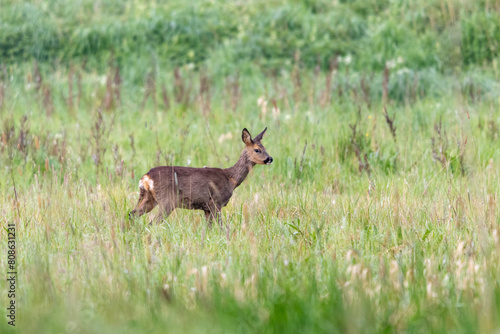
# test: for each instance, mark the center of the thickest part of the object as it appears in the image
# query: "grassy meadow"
(379, 213)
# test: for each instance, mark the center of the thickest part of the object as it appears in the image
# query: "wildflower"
(390, 64)
(224, 137)
(262, 103)
(276, 112)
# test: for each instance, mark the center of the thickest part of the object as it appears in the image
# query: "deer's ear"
(246, 137)
(260, 135)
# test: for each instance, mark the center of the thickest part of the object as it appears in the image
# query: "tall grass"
(408, 242)
(378, 214)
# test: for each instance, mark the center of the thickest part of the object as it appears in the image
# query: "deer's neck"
(238, 173)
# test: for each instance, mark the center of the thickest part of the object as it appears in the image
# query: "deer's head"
(255, 150)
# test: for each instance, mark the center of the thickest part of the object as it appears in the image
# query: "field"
(379, 213)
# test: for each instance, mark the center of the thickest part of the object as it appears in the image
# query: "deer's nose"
(268, 161)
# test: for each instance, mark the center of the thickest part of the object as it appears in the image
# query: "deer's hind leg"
(146, 203)
(167, 202)
(164, 211)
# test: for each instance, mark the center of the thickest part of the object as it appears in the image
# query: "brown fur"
(207, 189)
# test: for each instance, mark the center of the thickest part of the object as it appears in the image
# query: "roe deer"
(207, 189)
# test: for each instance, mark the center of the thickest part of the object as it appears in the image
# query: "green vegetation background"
(379, 213)
(444, 35)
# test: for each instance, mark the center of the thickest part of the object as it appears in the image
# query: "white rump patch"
(146, 183)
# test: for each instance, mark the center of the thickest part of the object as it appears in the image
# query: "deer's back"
(191, 187)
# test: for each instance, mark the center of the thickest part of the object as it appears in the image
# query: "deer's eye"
(257, 150)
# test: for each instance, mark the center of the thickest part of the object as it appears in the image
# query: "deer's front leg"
(213, 213)
(218, 213)
(208, 217)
